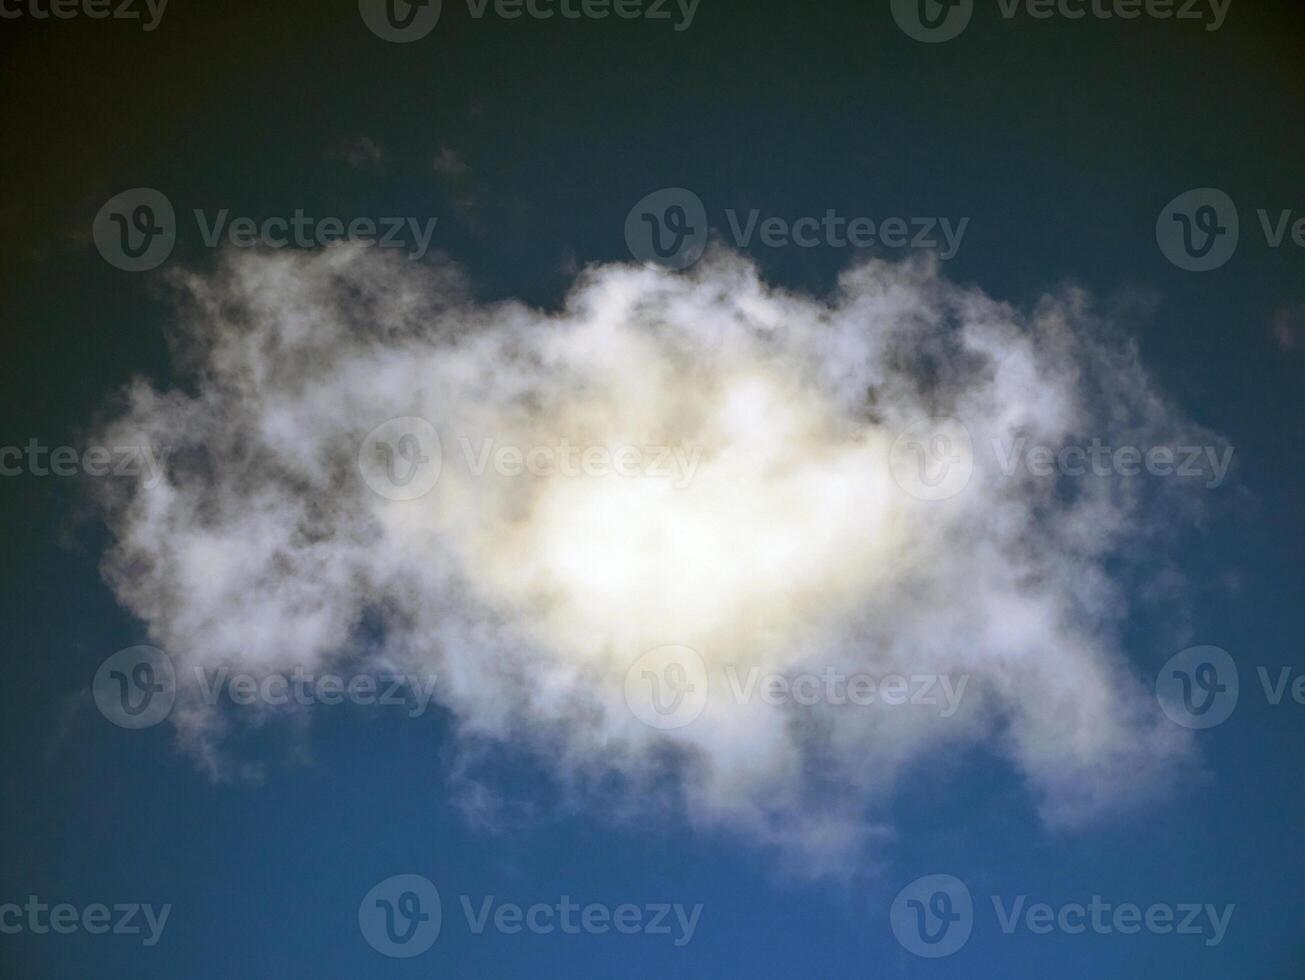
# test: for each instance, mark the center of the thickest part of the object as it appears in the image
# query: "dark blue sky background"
(1060, 140)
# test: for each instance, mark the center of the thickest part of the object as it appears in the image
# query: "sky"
(714, 488)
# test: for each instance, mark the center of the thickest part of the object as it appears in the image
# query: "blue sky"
(1062, 141)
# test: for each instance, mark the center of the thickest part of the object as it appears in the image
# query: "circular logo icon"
(1198, 230)
(1198, 687)
(667, 688)
(668, 228)
(136, 230)
(400, 21)
(400, 917)
(136, 687)
(933, 459)
(401, 459)
(932, 21)
(933, 916)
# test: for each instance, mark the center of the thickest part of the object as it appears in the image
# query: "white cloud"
(791, 549)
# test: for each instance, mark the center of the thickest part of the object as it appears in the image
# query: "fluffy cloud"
(775, 538)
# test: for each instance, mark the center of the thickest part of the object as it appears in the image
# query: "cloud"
(362, 153)
(448, 163)
(783, 542)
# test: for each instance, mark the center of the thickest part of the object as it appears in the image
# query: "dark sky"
(1061, 140)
